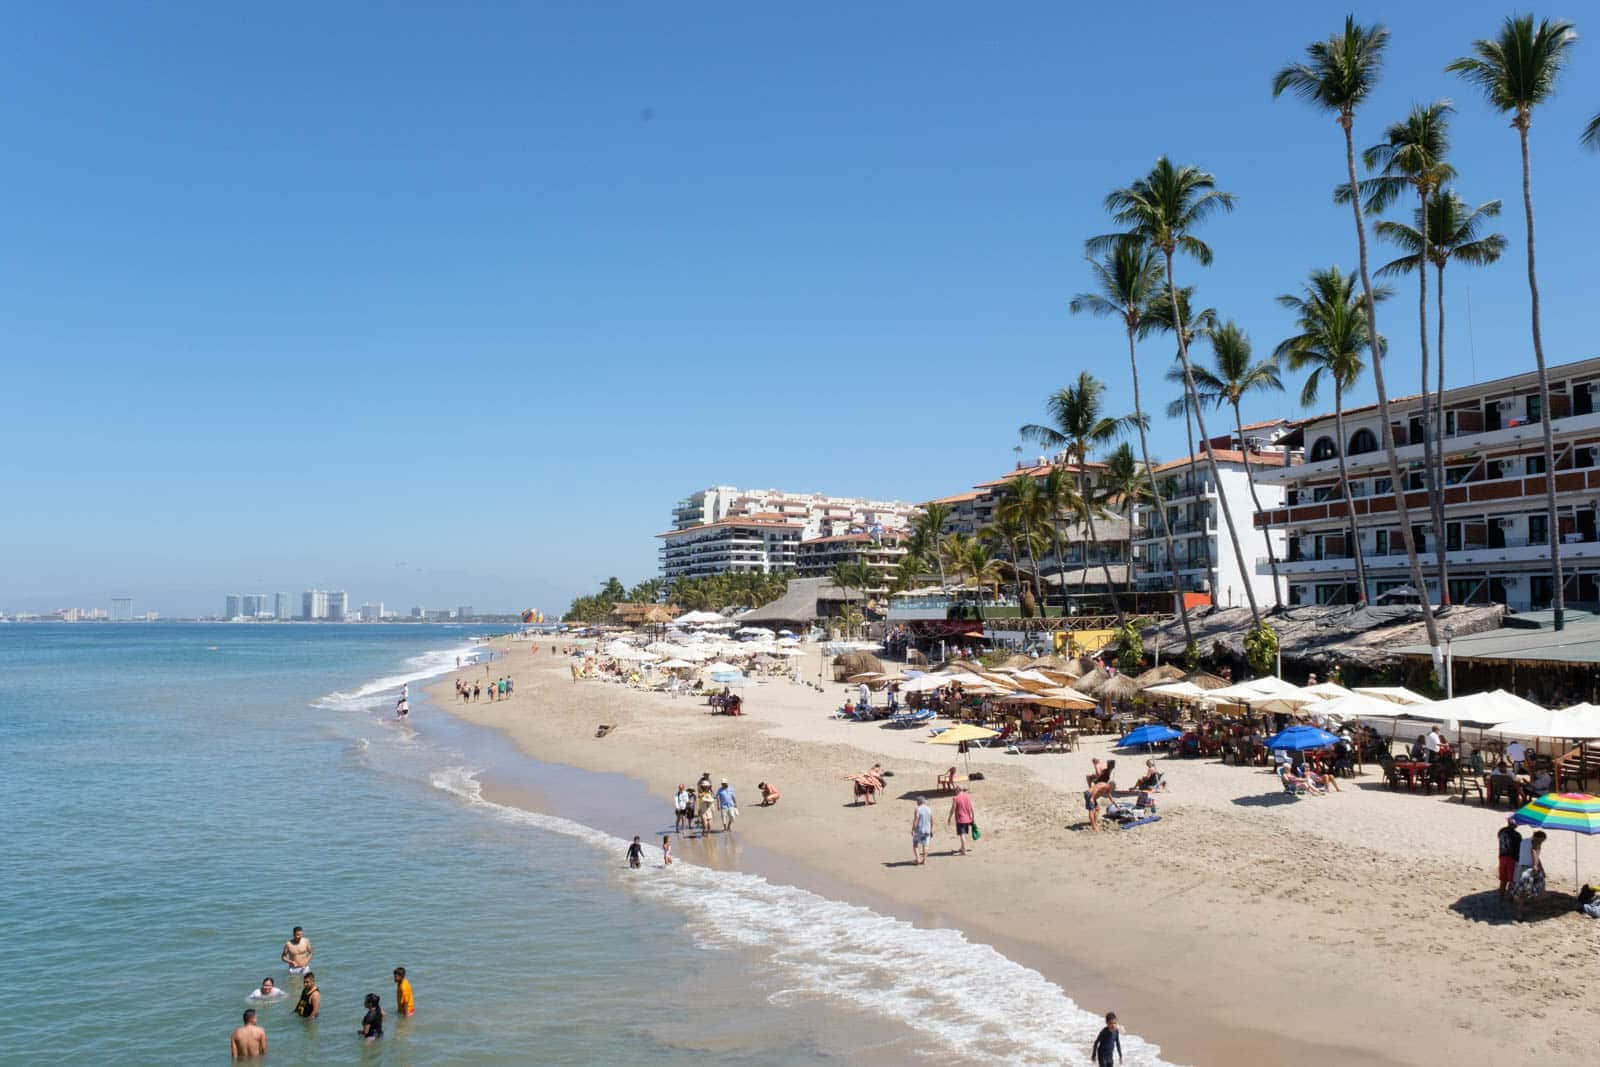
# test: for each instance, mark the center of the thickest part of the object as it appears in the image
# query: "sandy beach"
(1242, 927)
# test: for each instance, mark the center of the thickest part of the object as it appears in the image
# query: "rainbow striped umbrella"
(1577, 812)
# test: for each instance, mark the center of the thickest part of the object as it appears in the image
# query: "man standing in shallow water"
(249, 1040)
(297, 952)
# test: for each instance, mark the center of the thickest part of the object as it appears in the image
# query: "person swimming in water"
(372, 1021)
(635, 853)
(268, 991)
(249, 1040)
(297, 952)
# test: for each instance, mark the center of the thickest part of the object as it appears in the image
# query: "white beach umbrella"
(1327, 690)
(787, 652)
(1482, 710)
(1179, 691)
(697, 618)
(1353, 706)
(1395, 694)
(1581, 722)
(720, 667)
(676, 665)
(927, 683)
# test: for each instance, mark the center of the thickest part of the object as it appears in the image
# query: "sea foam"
(417, 668)
(961, 996)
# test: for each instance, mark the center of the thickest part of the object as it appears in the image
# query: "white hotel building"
(1206, 559)
(724, 529)
(1496, 532)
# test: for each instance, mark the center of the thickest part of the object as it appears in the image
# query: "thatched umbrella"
(1079, 666)
(914, 656)
(1090, 683)
(1206, 681)
(1117, 687)
(1156, 675)
(1018, 662)
(1053, 661)
(857, 663)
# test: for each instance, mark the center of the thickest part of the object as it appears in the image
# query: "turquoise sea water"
(178, 797)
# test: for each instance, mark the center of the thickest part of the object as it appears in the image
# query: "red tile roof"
(1040, 472)
(1228, 455)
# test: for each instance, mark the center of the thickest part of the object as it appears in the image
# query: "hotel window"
(1584, 457)
(1382, 486)
(1534, 464)
(1381, 543)
(1538, 530)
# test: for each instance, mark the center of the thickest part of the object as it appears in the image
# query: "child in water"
(635, 853)
(666, 851)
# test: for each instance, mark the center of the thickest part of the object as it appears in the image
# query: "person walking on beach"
(404, 1004)
(635, 853)
(1109, 1039)
(249, 1040)
(921, 831)
(310, 1003)
(1510, 840)
(682, 809)
(961, 814)
(727, 806)
(297, 952)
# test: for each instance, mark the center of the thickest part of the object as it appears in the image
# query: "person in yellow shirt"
(402, 993)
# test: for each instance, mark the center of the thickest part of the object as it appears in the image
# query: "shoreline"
(1177, 930)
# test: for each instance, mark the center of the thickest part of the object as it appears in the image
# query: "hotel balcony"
(1516, 550)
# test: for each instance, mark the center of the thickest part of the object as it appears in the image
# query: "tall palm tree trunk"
(1205, 443)
(1038, 590)
(1094, 539)
(1127, 573)
(1438, 394)
(1432, 440)
(1255, 499)
(1552, 531)
(1193, 472)
(1061, 567)
(1155, 492)
(1349, 502)
(1397, 483)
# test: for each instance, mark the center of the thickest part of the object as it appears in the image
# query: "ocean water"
(177, 797)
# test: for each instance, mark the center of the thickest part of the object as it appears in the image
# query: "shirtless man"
(297, 952)
(249, 1040)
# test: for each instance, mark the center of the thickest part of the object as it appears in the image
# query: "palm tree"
(929, 527)
(1412, 156)
(1333, 335)
(1004, 537)
(1127, 482)
(1021, 503)
(1126, 281)
(1338, 75)
(1591, 133)
(1163, 209)
(1158, 317)
(1235, 378)
(1060, 501)
(1450, 230)
(1080, 426)
(1516, 71)
(848, 576)
(975, 564)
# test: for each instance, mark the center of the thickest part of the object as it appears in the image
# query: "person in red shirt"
(961, 815)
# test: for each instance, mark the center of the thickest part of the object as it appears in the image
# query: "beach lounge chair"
(947, 780)
(1043, 743)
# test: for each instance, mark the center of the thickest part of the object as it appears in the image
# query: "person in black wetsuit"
(1109, 1040)
(310, 1004)
(372, 1022)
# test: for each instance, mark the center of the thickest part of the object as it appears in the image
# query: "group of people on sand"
(499, 689)
(694, 807)
(249, 1040)
(1101, 786)
(961, 814)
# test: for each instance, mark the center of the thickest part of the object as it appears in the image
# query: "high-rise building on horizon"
(338, 607)
(282, 607)
(313, 605)
(255, 605)
(372, 612)
(419, 612)
(464, 613)
(121, 609)
(233, 606)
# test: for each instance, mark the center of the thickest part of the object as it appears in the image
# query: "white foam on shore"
(961, 996)
(418, 668)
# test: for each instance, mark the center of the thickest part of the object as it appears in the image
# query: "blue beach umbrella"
(1153, 734)
(1300, 738)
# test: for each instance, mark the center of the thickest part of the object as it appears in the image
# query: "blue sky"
(450, 304)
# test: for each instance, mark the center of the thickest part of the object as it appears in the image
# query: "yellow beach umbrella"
(965, 732)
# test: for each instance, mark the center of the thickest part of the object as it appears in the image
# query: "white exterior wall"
(1236, 489)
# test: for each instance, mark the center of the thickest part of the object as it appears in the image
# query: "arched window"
(1363, 440)
(1323, 449)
